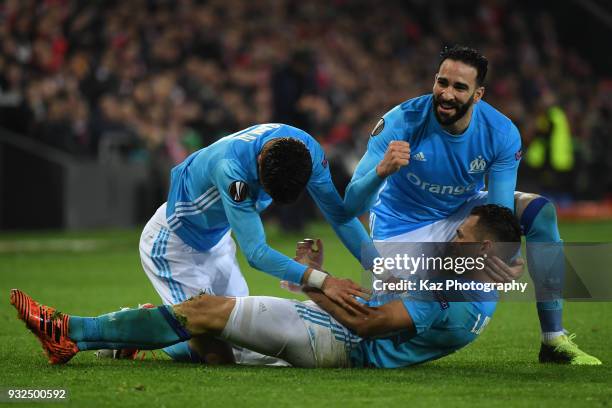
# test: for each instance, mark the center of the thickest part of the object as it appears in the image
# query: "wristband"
(316, 279)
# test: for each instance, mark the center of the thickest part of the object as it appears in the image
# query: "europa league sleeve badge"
(239, 191)
(380, 125)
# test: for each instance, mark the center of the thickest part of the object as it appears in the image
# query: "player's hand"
(291, 287)
(501, 272)
(342, 291)
(396, 156)
(308, 254)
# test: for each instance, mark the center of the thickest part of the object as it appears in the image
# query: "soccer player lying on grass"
(401, 332)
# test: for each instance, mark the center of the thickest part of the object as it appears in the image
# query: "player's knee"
(205, 314)
(189, 313)
(532, 207)
(522, 201)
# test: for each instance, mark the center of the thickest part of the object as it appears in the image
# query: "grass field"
(95, 272)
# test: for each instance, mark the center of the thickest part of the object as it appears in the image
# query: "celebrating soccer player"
(425, 168)
(186, 248)
(400, 331)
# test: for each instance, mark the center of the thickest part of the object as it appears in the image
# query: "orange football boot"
(48, 325)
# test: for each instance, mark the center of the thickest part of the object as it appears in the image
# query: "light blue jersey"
(444, 170)
(441, 328)
(217, 189)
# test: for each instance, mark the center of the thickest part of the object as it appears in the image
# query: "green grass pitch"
(96, 272)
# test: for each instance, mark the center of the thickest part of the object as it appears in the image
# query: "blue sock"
(182, 352)
(546, 261)
(145, 329)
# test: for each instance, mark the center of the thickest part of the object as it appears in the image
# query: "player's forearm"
(361, 193)
(347, 227)
(355, 238)
(249, 233)
(272, 262)
(338, 313)
(363, 325)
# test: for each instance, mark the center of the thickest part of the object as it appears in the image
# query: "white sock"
(548, 337)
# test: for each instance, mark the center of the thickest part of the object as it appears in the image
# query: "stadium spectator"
(161, 78)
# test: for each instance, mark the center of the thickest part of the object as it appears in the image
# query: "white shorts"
(298, 332)
(418, 242)
(443, 230)
(178, 272)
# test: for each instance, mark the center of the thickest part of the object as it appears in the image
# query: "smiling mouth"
(445, 108)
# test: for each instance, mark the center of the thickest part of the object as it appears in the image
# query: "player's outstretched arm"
(341, 291)
(364, 320)
(348, 228)
(367, 321)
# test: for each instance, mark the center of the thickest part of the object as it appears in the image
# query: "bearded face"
(455, 90)
(449, 112)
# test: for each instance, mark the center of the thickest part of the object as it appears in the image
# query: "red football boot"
(48, 325)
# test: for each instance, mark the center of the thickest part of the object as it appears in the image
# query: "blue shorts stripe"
(325, 320)
(339, 332)
(179, 294)
(322, 322)
(304, 311)
(156, 257)
(164, 267)
(312, 311)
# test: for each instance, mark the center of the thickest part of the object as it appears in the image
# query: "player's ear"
(479, 93)
(486, 247)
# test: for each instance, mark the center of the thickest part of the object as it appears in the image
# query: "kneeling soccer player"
(401, 332)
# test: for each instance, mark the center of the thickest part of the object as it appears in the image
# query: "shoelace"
(570, 340)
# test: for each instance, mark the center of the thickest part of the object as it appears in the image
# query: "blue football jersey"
(441, 329)
(444, 170)
(217, 189)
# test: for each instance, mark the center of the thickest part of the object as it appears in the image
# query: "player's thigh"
(179, 272)
(270, 326)
(157, 253)
(228, 279)
(331, 342)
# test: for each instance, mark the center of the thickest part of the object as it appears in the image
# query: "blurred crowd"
(156, 80)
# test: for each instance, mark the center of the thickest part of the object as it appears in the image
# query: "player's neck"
(461, 125)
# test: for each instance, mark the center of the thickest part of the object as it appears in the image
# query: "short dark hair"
(500, 222)
(285, 169)
(468, 56)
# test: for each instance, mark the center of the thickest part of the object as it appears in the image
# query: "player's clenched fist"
(396, 156)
